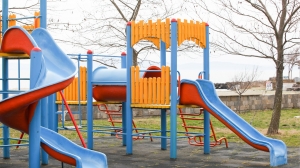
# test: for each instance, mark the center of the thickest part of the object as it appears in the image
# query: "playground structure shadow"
(149, 154)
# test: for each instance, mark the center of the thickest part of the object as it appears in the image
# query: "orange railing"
(160, 30)
(150, 90)
(13, 22)
(71, 92)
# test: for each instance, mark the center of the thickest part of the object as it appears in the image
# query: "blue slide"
(203, 93)
(50, 72)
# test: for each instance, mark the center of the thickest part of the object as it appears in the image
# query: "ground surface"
(149, 154)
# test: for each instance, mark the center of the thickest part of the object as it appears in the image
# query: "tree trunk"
(239, 103)
(274, 124)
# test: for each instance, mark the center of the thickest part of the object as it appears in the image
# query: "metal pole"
(90, 99)
(43, 11)
(173, 111)
(5, 129)
(123, 65)
(163, 115)
(128, 92)
(44, 123)
(35, 123)
(206, 77)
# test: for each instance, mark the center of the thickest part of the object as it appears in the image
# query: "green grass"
(289, 126)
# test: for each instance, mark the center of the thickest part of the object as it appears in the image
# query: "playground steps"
(188, 126)
(115, 117)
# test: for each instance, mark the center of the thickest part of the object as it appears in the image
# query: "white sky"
(222, 67)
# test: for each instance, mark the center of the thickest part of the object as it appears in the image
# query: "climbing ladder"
(115, 118)
(198, 140)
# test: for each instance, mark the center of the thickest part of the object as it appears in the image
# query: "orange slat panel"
(150, 91)
(167, 85)
(141, 87)
(133, 87)
(163, 83)
(154, 91)
(145, 90)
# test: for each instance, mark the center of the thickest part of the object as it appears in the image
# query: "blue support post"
(90, 124)
(206, 76)
(5, 129)
(123, 60)
(43, 24)
(163, 116)
(43, 12)
(51, 112)
(35, 123)
(128, 108)
(173, 111)
(44, 123)
(123, 65)
(55, 116)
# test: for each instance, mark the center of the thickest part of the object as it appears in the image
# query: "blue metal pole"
(163, 116)
(206, 77)
(163, 57)
(55, 116)
(43, 24)
(173, 111)
(128, 92)
(78, 89)
(90, 99)
(35, 123)
(51, 112)
(44, 123)
(123, 65)
(123, 60)
(43, 12)
(5, 129)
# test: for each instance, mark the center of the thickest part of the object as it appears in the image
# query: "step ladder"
(188, 126)
(115, 118)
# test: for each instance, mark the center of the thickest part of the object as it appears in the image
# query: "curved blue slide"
(53, 55)
(203, 93)
(50, 72)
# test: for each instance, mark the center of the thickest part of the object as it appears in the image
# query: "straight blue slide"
(203, 93)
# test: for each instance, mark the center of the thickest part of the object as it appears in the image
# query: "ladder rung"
(186, 118)
(188, 114)
(193, 127)
(114, 113)
(115, 121)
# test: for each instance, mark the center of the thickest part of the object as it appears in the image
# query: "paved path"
(148, 154)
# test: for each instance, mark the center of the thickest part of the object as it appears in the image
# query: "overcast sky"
(222, 67)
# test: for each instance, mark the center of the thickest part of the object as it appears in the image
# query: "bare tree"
(243, 81)
(103, 25)
(292, 60)
(262, 29)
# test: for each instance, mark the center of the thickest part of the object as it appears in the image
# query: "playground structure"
(51, 70)
(199, 93)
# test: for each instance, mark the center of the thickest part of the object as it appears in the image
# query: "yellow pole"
(150, 91)
(137, 77)
(141, 85)
(145, 90)
(133, 87)
(37, 21)
(158, 90)
(154, 91)
(163, 83)
(76, 89)
(167, 85)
